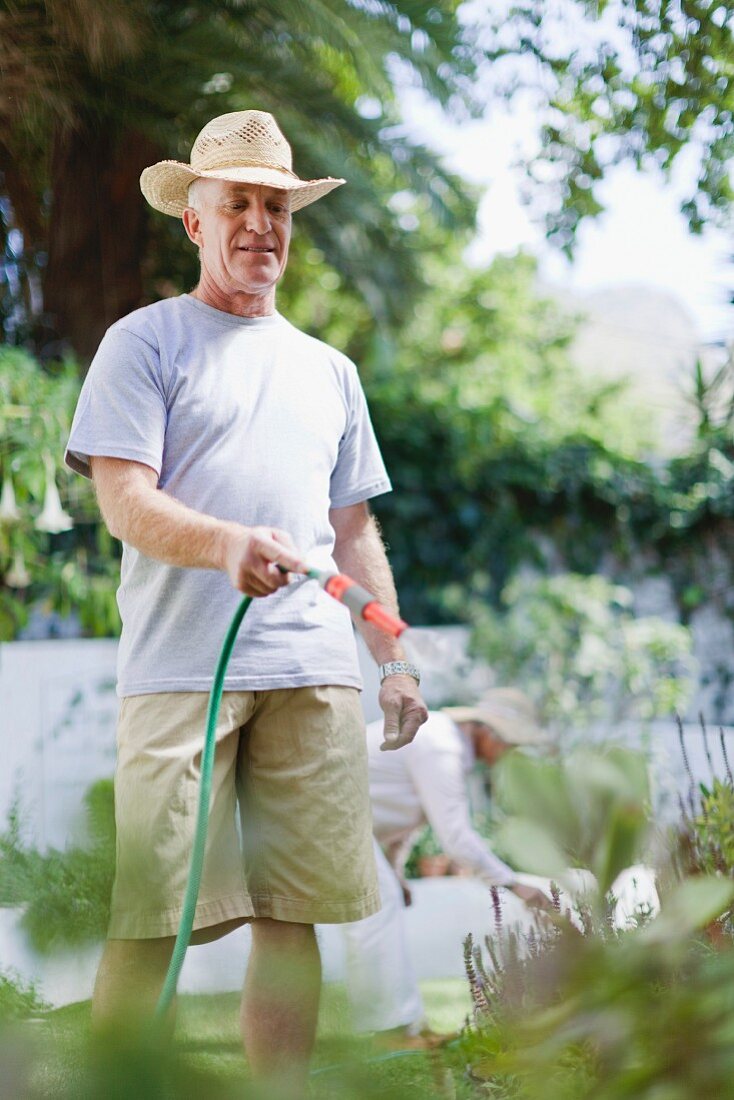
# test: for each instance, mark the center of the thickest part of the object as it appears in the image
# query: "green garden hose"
(186, 924)
(364, 606)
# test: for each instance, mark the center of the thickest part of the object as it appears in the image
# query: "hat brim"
(166, 185)
(522, 731)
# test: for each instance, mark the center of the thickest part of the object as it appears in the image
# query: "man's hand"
(250, 558)
(404, 711)
(532, 896)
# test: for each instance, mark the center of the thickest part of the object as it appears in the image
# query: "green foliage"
(503, 454)
(620, 80)
(715, 826)
(425, 844)
(66, 893)
(588, 810)
(711, 399)
(611, 1019)
(18, 999)
(577, 648)
(65, 571)
(692, 904)
(19, 864)
(494, 439)
(571, 1014)
(706, 830)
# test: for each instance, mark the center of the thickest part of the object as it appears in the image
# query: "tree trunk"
(96, 234)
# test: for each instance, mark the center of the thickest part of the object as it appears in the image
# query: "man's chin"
(252, 286)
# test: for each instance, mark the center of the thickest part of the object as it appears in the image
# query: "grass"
(208, 1047)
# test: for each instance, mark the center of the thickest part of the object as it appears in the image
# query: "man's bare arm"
(359, 552)
(144, 516)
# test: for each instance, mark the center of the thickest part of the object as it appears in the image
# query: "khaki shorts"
(295, 760)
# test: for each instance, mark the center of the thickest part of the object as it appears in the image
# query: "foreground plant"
(574, 1010)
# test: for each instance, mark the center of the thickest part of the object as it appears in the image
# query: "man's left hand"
(404, 710)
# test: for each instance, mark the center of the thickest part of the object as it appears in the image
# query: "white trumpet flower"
(52, 518)
(8, 508)
(18, 576)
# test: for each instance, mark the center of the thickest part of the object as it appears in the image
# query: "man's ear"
(192, 225)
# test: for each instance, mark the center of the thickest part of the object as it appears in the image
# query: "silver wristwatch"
(399, 668)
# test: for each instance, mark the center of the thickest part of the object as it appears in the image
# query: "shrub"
(66, 894)
(18, 863)
(579, 651)
(18, 999)
(704, 837)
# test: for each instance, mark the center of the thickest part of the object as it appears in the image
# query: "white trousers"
(382, 985)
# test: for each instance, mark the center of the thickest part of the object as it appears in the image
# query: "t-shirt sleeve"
(359, 472)
(121, 411)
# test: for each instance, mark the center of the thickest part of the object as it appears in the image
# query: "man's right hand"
(252, 556)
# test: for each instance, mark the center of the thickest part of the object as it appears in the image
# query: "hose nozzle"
(359, 601)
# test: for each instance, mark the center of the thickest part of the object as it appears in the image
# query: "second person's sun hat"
(508, 712)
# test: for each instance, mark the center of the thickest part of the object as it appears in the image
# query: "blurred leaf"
(619, 847)
(529, 848)
(536, 791)
(693, 903)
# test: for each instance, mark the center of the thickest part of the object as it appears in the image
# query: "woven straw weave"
(244, 138)
(242, 146)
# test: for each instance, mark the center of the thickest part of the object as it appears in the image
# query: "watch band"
(399, 668)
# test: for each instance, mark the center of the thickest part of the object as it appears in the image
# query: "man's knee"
(150, 952)
(280, 933)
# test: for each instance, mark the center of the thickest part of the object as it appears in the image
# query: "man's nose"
(257, 220)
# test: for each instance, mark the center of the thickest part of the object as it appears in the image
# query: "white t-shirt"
(244, 419)
(426, 782)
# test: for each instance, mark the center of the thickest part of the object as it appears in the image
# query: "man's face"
(243, 231)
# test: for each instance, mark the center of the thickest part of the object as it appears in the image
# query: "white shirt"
(426, 782)
(245, 419)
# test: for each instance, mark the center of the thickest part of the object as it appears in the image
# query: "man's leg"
(280, 1002)
(129, 980)
(131, 974)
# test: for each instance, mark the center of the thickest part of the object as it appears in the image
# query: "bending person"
(427, 783)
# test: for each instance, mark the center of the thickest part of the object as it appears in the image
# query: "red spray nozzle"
(362, 603)
(380, 617)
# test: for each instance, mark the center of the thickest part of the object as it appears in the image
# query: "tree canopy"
(614, 80)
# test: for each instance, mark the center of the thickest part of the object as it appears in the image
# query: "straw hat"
(508, 712)
(242, 146)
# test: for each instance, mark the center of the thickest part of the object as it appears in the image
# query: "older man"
(223, 444)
